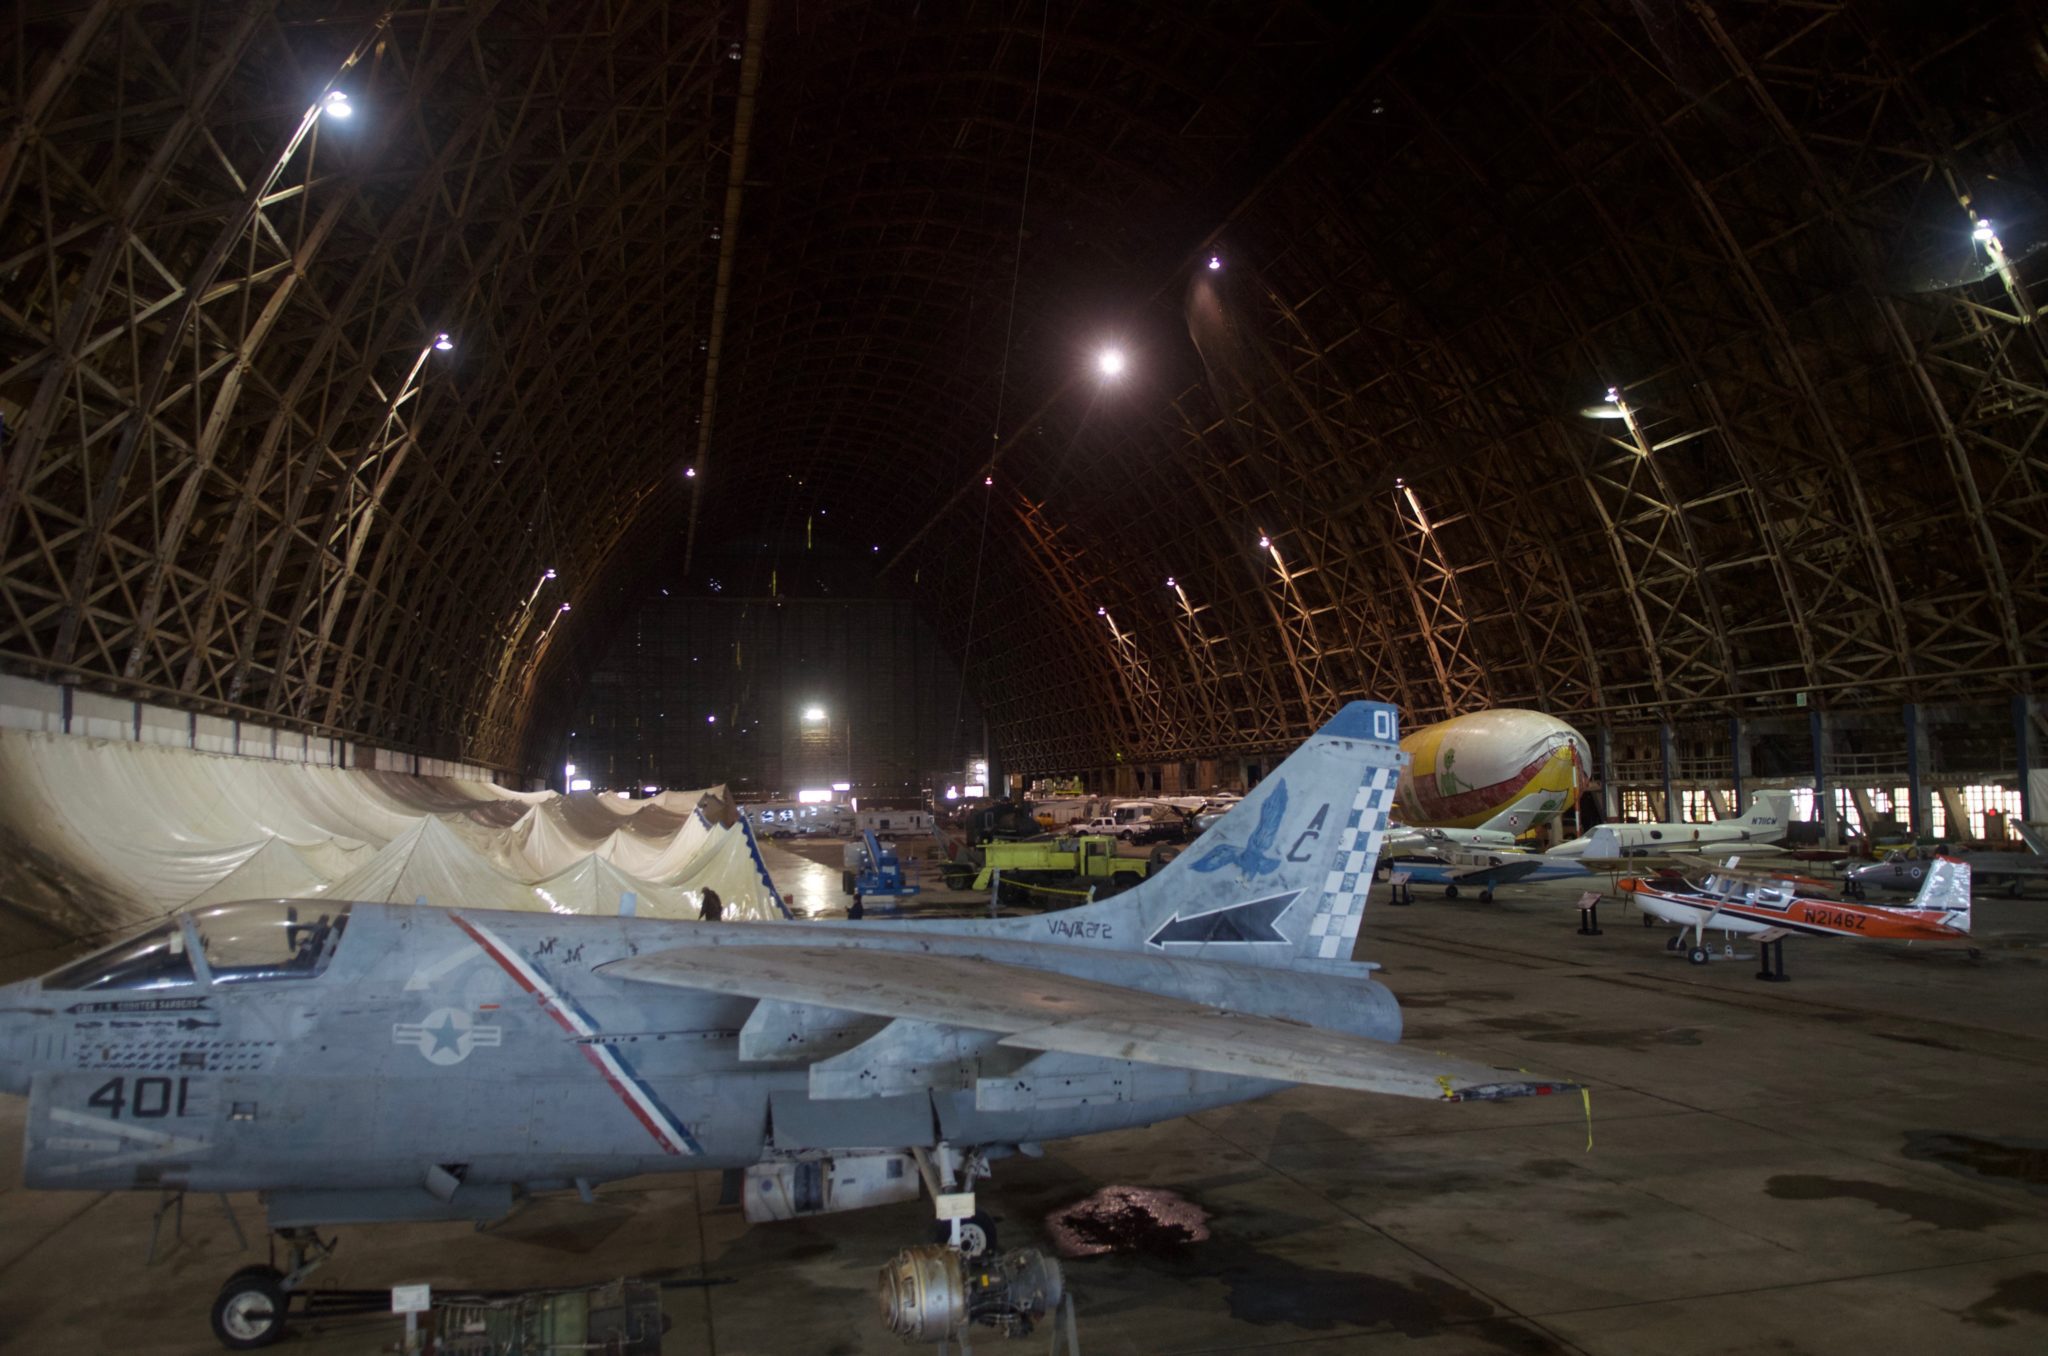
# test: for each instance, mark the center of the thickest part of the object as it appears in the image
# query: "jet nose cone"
(22, 1006)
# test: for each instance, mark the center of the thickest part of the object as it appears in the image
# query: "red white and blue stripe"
(639, 1099)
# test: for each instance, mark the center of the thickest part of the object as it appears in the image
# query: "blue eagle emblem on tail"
(1256, 857)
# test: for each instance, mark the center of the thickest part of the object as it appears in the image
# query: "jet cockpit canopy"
(234, 944)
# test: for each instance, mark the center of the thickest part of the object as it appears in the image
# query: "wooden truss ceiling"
(779, 246)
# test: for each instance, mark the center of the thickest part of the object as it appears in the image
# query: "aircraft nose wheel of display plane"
(1673, 943)
(977, 1235)
(1450, 892)
(249, 1310)
(1698, 955)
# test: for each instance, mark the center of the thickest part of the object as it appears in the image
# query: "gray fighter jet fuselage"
(370, 1062)
(494, 1046)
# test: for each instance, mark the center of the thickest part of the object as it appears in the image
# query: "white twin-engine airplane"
(1768, 820)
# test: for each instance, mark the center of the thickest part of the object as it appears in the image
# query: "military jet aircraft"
(381, 1062)
(1903, 870)
(1770, 906)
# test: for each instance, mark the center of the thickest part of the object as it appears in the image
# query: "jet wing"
(1043, 1010)
(1505, 872)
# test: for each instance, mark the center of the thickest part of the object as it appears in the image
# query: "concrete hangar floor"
(1856, 1161)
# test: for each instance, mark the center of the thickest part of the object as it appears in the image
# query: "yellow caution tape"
(1444, 1081)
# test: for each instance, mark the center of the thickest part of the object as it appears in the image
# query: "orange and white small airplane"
(1770, 907)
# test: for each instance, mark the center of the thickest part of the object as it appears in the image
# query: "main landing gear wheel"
(1450, 892)
(977, 1235)
(1698, 955)
(1486, 896)
(249, 1310)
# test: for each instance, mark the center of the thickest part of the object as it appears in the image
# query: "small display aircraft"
(1458, 868)
(386, 1062)
(1770, 907)
(1903, 870)
(1642, 846)
(1501, 831)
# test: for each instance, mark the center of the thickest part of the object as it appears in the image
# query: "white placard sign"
(411, 1299)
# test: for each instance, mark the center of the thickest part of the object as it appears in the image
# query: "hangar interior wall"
(702, 689)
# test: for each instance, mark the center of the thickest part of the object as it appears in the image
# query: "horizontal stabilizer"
(1043, 1010)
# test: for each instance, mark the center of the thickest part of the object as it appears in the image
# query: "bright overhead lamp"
(1110, 362)
(1215, 263)
(1984, 231)
(1265, 543)
(1610, 407)
(336, 105)
(443, 342)
(689, 473)
(814, 713)
(988, 480)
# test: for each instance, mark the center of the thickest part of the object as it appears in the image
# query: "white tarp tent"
(96, 836)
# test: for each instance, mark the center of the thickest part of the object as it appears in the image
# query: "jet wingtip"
(1505, 1090)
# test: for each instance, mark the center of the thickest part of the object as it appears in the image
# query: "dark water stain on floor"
(2007, 1162)
(1627, 1039)
(1550, 1169)
(1925, 1207)
(2023, 1294)
(562, 1227)
(1927, 1042)
(1164, 1231)
(1454, 996)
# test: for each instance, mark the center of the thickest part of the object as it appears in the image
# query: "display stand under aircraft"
(361, 1063)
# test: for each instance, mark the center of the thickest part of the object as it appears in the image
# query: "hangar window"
(154, 960)
(268, 940)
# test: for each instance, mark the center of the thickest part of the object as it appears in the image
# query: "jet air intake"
(930, 1292)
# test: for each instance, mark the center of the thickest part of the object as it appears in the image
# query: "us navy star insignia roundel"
(446, 1036)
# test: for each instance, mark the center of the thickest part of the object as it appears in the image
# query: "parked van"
(890, 825)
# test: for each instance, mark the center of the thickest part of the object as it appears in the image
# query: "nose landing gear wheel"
(977, 1235)
(1698, 955)
(249, 1310)
(1673, 943)
(1450, 892)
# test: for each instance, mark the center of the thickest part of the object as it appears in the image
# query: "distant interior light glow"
(579, 783)
(842, 786)
(813, 796)
(814, 713)
(1110, 362)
